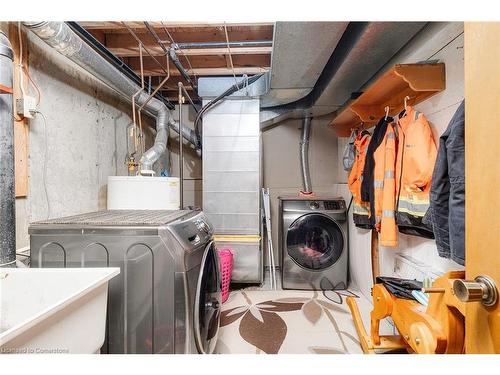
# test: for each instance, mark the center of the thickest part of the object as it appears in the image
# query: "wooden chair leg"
(364, 339)
(367, 342)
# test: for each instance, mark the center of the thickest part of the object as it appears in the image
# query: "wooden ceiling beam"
(127, 41)
(251, 70)
(118, 27)
(157, 51)
(202, 61)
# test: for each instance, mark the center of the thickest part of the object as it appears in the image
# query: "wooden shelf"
(418, 81)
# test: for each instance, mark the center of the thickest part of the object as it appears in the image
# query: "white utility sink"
(53, 310)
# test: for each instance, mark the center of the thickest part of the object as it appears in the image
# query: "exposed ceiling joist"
(251, 70)
(119, 27)
(157, 51)
(128, 41)
(218, 61)
(200, 64)
(211, 58)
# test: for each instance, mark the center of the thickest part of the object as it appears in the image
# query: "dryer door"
(314, 241)
(208, 301)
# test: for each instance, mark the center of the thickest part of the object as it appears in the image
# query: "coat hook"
(406, 98)
(386, 113)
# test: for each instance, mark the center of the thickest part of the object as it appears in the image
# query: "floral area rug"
(288, 322)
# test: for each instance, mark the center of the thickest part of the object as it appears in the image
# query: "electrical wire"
(145, 49)
(230, 56)
(45, 157)
(39, 93)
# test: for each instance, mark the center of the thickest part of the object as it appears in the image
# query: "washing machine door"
(208, 301)
(314, 241)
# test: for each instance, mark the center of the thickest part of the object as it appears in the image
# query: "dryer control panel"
(192, 231)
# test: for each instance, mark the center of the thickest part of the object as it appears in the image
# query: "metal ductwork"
(361, 51)
(7, 192)
(64, 40)
(300, 52)
(304, 156)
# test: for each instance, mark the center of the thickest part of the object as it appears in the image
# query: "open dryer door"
(314, 241)
(208, 301)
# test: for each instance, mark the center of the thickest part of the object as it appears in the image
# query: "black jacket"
(367, 188)
(447, 196)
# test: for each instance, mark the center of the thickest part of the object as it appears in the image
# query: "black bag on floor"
(400, 288)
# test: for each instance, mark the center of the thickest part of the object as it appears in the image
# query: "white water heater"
(143, 193)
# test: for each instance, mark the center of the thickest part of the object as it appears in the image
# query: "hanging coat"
(368, 182)
(447, 196)
(384, 188)
(349, 152)
(415, 161)
(361, 210)
(376, 140)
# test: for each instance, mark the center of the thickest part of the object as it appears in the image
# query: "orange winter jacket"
(361, 210)
(414, 166)
(385, 188)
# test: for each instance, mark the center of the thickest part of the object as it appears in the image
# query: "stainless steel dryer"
(313, 243)
(167, 297)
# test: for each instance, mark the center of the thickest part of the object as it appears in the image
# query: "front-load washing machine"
(167, 296)
(313, 243)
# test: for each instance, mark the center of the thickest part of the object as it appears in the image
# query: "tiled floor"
(257, 320)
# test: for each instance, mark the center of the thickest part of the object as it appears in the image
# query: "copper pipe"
(145, 49)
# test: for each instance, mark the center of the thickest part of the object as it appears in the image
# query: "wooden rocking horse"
(439, 328)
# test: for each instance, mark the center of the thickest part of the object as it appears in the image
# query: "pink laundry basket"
(226, 268)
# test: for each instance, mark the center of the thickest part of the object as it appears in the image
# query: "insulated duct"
(7, 193)
(362, 50)
(64, 40)
(180, 68)
(304, 156)
(172, 54)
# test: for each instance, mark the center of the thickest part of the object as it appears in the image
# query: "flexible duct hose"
(304, 156)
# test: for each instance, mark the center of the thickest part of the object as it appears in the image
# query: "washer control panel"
(307, 205)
